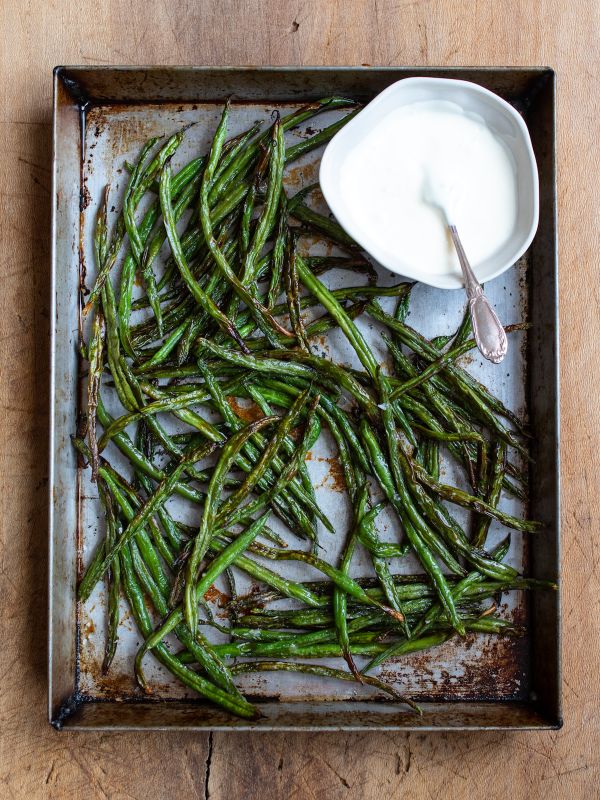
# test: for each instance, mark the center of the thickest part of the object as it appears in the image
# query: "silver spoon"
(487, 328)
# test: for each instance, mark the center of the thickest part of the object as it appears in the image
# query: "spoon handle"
(487, 329)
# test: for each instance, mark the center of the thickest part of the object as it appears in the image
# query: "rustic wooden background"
(35, 35)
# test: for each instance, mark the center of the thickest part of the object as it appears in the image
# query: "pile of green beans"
(220, 396)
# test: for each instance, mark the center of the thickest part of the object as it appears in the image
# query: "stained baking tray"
(101, 114)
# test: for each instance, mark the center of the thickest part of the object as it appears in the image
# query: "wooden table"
(35, 761)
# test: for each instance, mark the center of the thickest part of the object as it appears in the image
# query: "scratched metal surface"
(478, 667)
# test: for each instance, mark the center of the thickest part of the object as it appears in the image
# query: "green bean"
(159, 406)
(432, 458)
(290, 274)
(184, 200)
(234, 147)
(328, 300)
(217, 566)
(278, 255)
(471, 390)
(113, 347)
(295, 639)
(286, 476)
(344, 454)
(339, 601)
(193, 244)
(399, 498)
(101, 232)
(110, 312)
(330, 228)
(95, 349)
(403, 304)
(329, 371)
(165, 349)
(267, 218)
(379, 553)
(416, 592)
(339, 424)
(403, 471)
(287, 588)
(493, 492)
(320, 138)
(319, 265)
(464, 499)
(163, 544)
(268, 624)
(318, 327)
(113, 531)
(331, 650)
(155, 426)
(135, 240)
(195, 323)
(197, 292)
(464, 329)
(413, 522)
(339, 578)
(310, 437)
(324, 672)
(346, 293)
(461, 432)
(443, 436)
(249, 203)
(294, 494)
(370, 540)
(261, 364)
(213, 495)
(263, 317)
(127, 501)
(212, 433)
(439, 516)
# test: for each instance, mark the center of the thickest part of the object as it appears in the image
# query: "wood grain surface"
(35, 761)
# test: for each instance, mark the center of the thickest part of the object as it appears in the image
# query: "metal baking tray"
(102, 114)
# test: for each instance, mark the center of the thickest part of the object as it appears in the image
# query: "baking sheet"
(479, 667)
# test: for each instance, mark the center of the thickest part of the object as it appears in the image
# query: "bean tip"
(352, 667)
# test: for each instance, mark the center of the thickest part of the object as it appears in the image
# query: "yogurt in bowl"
(426, 150)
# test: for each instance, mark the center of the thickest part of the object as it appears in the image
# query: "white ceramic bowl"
(501, 118)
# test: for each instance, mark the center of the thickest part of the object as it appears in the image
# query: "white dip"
(425, 164)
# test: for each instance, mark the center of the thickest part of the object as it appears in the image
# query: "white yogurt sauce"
(425, 164)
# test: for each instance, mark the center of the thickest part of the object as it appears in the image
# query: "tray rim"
(66, 715)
